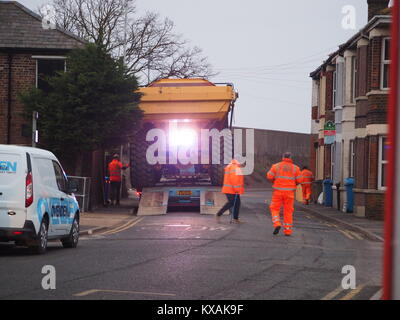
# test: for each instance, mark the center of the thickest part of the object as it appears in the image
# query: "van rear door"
(13, 168)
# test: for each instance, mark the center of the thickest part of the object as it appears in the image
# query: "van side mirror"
(72, 186)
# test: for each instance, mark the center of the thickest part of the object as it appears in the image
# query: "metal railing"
(83, 193)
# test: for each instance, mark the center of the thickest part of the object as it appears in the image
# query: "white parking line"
(92, 291)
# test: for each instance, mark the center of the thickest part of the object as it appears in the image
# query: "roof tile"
(22, 28)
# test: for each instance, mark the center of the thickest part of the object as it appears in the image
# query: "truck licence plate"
(184, 193)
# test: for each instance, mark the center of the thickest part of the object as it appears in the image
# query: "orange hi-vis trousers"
(306, 188)
(285, 199)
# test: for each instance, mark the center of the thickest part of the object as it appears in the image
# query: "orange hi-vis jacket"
(115, 167)
(285, 175)
(233, 179)
(307, 177)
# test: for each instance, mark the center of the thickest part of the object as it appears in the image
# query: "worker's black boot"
(276, 230)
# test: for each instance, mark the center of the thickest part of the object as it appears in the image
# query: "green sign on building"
(329, 132)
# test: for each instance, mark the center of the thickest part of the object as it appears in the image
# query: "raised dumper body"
(180, 108)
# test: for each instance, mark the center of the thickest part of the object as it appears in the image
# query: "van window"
(10, 168)
(61, 180)
(46, 172)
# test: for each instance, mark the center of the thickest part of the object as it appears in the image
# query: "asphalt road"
(189, 256)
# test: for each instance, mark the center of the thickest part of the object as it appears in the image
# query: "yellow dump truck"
(177, 110)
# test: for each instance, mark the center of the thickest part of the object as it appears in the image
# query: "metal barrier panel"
(83, 193)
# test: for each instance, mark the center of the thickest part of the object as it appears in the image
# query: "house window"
(382, 163)
(47, 67)
(385, 63)
(352, 158)
(334, 86)
(353, 78)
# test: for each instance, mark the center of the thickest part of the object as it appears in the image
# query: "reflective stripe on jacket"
(114, 167)
(285, 175)
(307, 177)
(233, 179)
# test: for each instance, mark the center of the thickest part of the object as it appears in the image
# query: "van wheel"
(41, 243)
(73, 238)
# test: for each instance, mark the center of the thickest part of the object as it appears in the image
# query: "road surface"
(185, 255)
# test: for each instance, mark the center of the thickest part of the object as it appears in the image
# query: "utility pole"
(35, 133)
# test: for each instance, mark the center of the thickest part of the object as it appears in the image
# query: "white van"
(36, 200)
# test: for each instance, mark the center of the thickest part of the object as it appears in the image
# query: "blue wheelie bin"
(349, 184)
(328, 193)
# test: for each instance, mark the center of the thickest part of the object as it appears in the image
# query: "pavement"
(104, 219)
(371, 229)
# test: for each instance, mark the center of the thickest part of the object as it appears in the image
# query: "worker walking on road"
(307, 179)
(115, 168)
(285, 177)
(233, 187)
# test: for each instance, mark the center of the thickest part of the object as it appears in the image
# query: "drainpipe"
(9, 99)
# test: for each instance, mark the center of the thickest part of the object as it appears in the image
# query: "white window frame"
(353, 78)
(48, 58)
(334, 89)
(384, 63)
(381, 163)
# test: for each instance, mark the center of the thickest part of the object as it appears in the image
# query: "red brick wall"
(374, 206)
(3, 97)
(361, 163)
(362, 71)
(313, 153)
(374, 62)
(377, 109)
(314, 113)
(373, 142)
(23, 77)
(361, 113)
(329, 88)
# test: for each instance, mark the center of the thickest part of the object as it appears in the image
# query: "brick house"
(28, 52)
(351, 90)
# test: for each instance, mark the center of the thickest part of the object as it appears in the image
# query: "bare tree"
(153, 49)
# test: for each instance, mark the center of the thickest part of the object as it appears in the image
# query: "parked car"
(37, 203)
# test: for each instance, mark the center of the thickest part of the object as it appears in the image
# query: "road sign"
(329, 132)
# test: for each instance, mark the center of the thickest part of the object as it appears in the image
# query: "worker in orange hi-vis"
(114, 168)
(307, 179)
(233, 187)
(285, 176)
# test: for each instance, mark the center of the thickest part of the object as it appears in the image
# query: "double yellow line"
(348, 296)
(121, 228)
(347, 233)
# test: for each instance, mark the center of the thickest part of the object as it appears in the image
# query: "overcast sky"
(267, 48)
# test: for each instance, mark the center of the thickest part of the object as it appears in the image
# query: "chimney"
(375, 7)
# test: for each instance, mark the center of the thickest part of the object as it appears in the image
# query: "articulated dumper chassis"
(180, 109)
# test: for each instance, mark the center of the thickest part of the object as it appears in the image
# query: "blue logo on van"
(61, 212)
(8, 166)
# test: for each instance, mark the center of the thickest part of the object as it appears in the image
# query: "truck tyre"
(143, 175)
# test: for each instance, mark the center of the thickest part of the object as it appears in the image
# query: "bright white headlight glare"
(182, 137)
